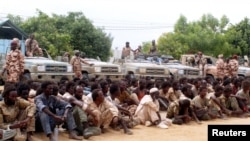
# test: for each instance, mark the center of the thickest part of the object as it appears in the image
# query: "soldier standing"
(233, 66)
(201, 62)
(226, 67)
(153, 49)
(220, 66)
(76, 61)
(126, 51)
(32, 46)
(14, 64)
(66, 57)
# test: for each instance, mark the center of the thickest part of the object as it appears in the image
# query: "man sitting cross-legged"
(148, 110)
(53, 111)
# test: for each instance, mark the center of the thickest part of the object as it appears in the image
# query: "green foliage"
(239, 36)
(206, 35)
(146, 46)
(17, 20)
(74, 31)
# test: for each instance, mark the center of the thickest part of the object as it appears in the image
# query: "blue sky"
(135, 21)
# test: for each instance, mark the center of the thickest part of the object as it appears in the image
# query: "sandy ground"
(188, 132)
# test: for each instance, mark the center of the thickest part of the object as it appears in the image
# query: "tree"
(17, 20)
(206, 35)
(74, 31)
(239, 36)
(146, 45)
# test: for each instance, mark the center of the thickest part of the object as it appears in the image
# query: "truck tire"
(85, 76)
(1, 82)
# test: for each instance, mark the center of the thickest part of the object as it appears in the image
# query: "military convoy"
(144, 66)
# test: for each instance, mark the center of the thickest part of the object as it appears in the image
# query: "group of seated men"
(88, 108)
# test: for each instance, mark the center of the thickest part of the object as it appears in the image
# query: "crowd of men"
(87, 108)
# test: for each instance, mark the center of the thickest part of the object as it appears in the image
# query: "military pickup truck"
(141, 68)
(41, 68)
(211, 70)
(101, 70)
(177, 69)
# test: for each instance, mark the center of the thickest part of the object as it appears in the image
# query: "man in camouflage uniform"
(17, 114)
(201, 62)
(76, 61)
(233, 66)
(220, 66)
(66, 57)
(18, 43)
(32, 46)
(226, 67)
(14, 64)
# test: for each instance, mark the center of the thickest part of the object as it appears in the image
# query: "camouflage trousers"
(107, 117)
(13, 76)
(78, 74)
(220, 74)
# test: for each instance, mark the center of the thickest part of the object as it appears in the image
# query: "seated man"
(243, 96)
(80, 116)
(53, 111)
(148, 110)
(216, 107)
(202, 106)
(17, 113)
(228, 101)
(109, 113)
(32, 47)
(114, 93)
(178, 111)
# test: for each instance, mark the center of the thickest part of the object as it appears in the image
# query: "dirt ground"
(190, 132)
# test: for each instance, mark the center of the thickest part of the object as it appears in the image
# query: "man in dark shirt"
(52, 112)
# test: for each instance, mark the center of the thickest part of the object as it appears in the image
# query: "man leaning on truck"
(76, 61)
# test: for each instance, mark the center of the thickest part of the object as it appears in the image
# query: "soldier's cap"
(152, 90)
(220, 56)
(13, 43)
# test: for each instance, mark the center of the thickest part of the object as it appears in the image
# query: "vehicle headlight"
(97, 69)
(142, 70)
(181, 72)
(41, 68)
(69, 69)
